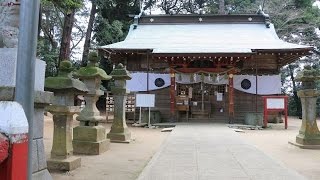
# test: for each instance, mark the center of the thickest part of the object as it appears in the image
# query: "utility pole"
(27, 46)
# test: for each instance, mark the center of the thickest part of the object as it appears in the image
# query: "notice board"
(145, 100)
(275, 103)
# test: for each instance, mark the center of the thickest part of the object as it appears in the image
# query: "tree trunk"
(221, 7)
(87, 41)
(66, 37)
(295, 94)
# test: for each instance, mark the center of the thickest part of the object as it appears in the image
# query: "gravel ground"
(120, 162)
(274, 142)
(126, 161)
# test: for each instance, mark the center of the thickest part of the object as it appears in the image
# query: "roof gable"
(203, 34)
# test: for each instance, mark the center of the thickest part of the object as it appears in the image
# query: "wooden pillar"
(231, 98)
(172, 93)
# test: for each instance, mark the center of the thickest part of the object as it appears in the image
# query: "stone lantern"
(90, 137)
(65, 88)
(309, 135)
(119, 131)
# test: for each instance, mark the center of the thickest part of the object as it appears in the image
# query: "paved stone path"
(212, 152)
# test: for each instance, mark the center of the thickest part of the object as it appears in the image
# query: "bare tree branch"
(74, 45)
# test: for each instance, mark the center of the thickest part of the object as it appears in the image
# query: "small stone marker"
(119, 131)
(167, 129)
(239, 130)
(90, 137)
(63, 109)
(309, 135)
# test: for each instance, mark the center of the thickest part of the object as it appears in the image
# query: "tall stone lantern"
(65, 88)
(309, 135)
(90, 137)
(119, 131)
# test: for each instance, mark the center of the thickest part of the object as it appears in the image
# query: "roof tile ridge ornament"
(136, 21)
(137, 17)
(266, 17)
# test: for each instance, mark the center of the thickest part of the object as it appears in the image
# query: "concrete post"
(90, 137)
(119, 131)
(65, 88)
(309, 135)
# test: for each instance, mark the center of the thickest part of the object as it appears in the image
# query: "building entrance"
(202, 100)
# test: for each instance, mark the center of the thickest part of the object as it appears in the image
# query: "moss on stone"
(93, 58)
(64, 80)
(120, 73)
(58, 83)
(308, 74)
(89, 72)
(92, 70)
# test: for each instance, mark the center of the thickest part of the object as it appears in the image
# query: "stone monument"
(9, 23)
(309, 135)
(90, 137)
(119, 131)
(65, 88)
(9, 30)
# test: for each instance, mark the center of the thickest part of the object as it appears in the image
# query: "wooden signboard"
(275, 104)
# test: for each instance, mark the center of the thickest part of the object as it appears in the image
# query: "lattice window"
(183, 89)
(197, 94)
(129, 107)
(221, 89)
(110, 104)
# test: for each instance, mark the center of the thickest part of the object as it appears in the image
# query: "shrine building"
(213, 67)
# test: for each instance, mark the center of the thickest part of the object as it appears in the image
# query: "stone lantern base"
(90, 140)
(303, 140)
(304, 146)
(121, 135)
(68, 164)
(308, 140)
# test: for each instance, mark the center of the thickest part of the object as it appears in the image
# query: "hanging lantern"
(202, 77)
(214, 77)
(179, 77)
(225, 76)
(191, 77)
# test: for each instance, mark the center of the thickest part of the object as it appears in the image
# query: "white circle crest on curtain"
(159, 82)
(245, 84)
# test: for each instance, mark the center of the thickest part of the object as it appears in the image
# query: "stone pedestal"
(309, 135)
(65, 88)
(253, 119)
(90, 138)
(62, 151)
(119, 131)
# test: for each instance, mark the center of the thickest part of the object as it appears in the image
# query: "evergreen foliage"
(296, 21)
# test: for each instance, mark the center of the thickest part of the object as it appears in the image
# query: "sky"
(83, 21)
